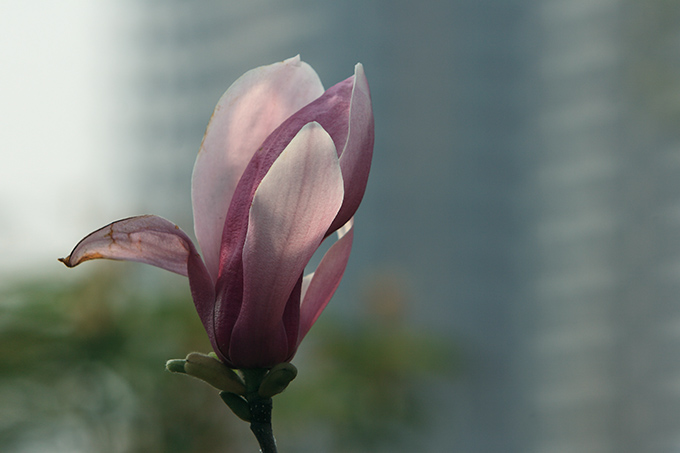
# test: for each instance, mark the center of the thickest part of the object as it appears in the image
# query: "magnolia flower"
(282, 166)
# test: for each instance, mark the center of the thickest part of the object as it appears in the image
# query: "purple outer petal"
(319, 287)
(291, 211)
(203, 294)
(146, 239)
(152, 240)
(256, 104)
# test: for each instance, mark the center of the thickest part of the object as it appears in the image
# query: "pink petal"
(355, 160)
(152, 240)
(146, 239)
(292, 208)
(247, 113)
(319, 287)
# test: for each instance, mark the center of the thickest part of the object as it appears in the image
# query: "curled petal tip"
(69, 263)
(90, 256)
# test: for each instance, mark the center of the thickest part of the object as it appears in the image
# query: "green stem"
(260, 411)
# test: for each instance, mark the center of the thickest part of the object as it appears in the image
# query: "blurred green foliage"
(81, 370)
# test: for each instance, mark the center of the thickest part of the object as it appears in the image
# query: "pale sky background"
(57, 74)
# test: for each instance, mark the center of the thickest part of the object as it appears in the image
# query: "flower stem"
(260, 411)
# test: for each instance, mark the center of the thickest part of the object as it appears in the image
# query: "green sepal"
(214, 372)
(175, 365)
(237, 404)
(277, 380)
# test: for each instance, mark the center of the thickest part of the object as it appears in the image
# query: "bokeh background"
(516, 269)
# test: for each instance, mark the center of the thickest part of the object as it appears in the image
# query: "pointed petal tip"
(293, 60)
(360, 76)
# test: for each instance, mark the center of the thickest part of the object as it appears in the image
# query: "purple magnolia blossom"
(282, 166)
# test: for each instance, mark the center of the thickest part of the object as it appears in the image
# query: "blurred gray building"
(601, 324)
(526, 179)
